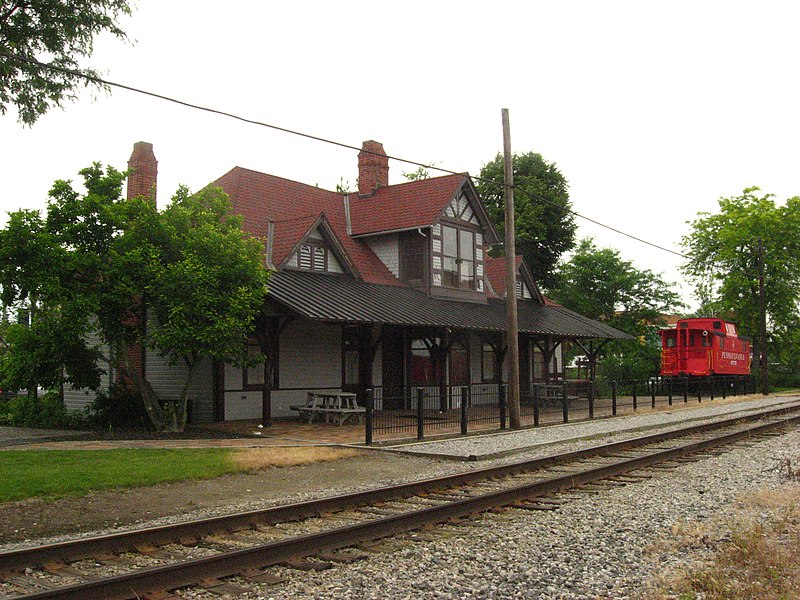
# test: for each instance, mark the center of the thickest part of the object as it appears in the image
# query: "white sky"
(652, 110)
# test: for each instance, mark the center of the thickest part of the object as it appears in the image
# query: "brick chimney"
(143, 168)
(373, 168)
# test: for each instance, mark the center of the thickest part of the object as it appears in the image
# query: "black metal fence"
(430, 410)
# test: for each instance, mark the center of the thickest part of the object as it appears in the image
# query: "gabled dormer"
(525, 288)
(432, 234)
(459, 247)
(308, 244)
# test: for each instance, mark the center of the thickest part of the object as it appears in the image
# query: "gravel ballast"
(593, 546)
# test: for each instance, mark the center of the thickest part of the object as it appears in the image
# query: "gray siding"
(167, 381)
(81, 398)
(310, 357)
(386, 248)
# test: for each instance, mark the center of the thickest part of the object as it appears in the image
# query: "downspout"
(270, 239)
(346, 200)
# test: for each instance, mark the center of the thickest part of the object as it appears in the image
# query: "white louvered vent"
(305, 257)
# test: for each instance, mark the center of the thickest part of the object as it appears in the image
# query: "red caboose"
(704, 347)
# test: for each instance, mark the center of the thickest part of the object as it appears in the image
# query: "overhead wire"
(529, 195)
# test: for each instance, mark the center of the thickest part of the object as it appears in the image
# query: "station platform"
(503, 443)
(448, 444)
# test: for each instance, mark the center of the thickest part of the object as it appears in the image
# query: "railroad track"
(218, 552)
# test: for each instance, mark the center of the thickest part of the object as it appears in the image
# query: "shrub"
(784, 380)
(44, 412)
(640, 364)
(120, 406)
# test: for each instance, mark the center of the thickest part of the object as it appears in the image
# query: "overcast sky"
(651, 110)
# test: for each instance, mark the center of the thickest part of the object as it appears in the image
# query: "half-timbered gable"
(525, 286)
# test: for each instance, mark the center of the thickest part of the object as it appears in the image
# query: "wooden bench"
(341, 415)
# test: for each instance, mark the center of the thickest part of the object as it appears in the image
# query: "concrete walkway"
(15, 436)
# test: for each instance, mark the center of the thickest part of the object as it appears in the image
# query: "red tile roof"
(549, 302)
(260, 198)
(287, 234)
(495, 269)
(404, 206)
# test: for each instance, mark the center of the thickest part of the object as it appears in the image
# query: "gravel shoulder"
(33, 519)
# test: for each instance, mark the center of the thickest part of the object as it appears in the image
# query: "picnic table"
(339, 406)
(554, 392)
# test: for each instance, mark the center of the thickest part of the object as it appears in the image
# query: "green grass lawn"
(58, 473)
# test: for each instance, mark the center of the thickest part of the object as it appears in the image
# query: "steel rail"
(132, 585)
(73, 550)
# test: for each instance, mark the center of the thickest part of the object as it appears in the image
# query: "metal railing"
(425, 410)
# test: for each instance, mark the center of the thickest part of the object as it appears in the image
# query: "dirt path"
(32, 519)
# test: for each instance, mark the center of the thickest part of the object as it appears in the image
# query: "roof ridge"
(293, 181)
(416, 181)
(314, 215)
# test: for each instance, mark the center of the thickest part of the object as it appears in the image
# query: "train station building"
(389, 289)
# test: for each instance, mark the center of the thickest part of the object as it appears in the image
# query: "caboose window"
(670, 342)
(706, 343)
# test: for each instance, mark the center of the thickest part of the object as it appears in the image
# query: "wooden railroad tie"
(260, 576)
(303, 564)
(220, 588)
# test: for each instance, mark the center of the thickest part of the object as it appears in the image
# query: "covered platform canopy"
(338, 298)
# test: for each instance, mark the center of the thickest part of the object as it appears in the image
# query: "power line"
(316, 138)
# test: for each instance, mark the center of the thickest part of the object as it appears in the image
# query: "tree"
(185, 282)
(600, 284)
(49, 351)
(418, 175)
(724, 264)
(45, 348)
(55, 32)
(544, 224)
(203, 282)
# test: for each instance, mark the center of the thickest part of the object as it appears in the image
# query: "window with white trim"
(488, 363)
(458, 254)
(253, 373)
(458, 257)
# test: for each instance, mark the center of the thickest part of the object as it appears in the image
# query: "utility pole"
(512, 327)
(762, 320)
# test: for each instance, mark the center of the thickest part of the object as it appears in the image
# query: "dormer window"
(315, 254)
(458, 258)
(457, 244)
